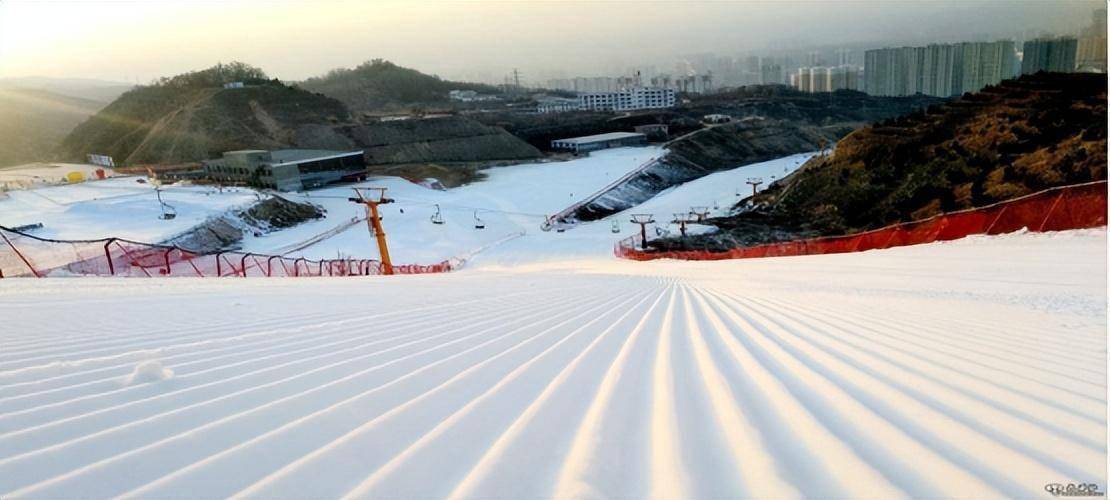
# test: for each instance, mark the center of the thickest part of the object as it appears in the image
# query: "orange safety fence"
(1078, 206)
(26, 255)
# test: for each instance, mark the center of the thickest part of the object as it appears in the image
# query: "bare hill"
(192, 117)
(382, 85)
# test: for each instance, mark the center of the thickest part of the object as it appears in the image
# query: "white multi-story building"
(555, 105)
(627, 99)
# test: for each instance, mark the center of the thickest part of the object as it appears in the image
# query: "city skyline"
(477, 41)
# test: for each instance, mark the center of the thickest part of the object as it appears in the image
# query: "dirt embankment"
(226, 231)
(445, 139)
(711, 150)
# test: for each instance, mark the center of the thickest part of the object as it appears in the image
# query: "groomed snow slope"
(510, 201)
(119, 207)
(973, 368)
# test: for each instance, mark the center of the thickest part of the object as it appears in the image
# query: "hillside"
(451, 138)
(769, 122)
(1016, 138)
(785, 103)
(192, 117)
(34, 122)
(382, 85)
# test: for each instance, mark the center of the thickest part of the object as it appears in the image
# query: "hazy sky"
(129, 40)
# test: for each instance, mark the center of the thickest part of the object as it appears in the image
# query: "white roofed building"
(588, 143)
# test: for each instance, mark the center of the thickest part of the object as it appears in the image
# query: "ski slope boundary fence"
(1077, 206)
(25, 255)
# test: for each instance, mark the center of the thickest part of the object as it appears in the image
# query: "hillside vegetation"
(779, 102)
(34, 122)
(770, 122)
(192, 117)
(1015, 138)
(381, 85)
(445, 139)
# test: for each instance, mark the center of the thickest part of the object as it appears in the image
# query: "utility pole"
(374, 222)
(643, 220)
(755, 182)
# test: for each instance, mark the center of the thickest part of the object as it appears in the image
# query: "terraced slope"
(973, 368)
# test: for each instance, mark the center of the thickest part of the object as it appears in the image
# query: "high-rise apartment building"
(1090, 52)
(826, 79)
(1056, 55)
(984, 63)
(771, 73)
(939, 69)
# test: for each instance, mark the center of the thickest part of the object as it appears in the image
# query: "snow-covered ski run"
(974, 368)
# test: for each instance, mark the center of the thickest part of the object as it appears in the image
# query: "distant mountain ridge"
(102, 91)
(34, 121)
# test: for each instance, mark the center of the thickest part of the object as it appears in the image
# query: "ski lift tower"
(643, 220)
(699, 213)
(168, 212)
(682, 220)
(755, 182)
(372, 197)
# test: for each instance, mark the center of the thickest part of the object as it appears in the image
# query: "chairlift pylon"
(437, 218)
(168, 212)
(478, 223)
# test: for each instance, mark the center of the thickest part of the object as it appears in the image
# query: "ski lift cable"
(420, 201)
(428, 203)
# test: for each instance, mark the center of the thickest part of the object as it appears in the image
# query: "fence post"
(996, 217)
(20, 254)
(108, 255)
(1051, 209)
(166, 256)
(243, 263)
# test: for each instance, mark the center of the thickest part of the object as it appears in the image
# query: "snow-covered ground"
(119, 207)
(973, 368)
(513, 200)
(547, 367)
(510, 201)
